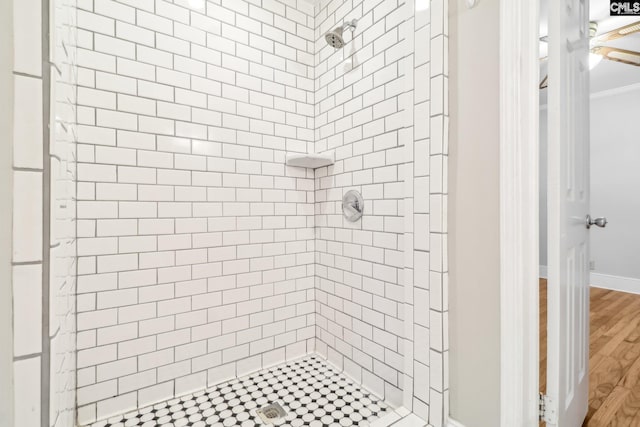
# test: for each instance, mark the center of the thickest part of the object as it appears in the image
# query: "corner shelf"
(311, 161)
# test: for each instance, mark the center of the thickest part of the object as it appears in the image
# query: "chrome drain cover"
(271, 413)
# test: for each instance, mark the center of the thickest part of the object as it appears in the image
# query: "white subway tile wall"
(360, 266)
(202, 257)
(427, 306)
(27, 235)
(384, 110)
(195, 241)
(43, 202)
(62, 198)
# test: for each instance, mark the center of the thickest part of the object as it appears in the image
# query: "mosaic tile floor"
(310, 391)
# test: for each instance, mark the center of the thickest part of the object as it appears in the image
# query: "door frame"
(519, 218)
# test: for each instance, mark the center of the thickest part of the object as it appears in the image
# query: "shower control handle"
(600, 222)
(353, 204)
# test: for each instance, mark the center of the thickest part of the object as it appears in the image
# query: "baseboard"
(453, 423)
(615, 283)
(607, 281)
(543, 272)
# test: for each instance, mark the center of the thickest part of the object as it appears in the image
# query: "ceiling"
(608, 74)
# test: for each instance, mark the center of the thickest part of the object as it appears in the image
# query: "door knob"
(600, 222)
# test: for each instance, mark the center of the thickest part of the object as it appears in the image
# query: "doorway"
(614, 336)
(519, 173)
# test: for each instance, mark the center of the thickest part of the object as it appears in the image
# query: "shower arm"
(350, 24)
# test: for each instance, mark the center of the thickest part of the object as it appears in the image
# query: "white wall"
(615, 152)
(615, 183)
(474, 214)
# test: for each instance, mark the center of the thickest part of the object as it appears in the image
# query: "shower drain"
(271, 413)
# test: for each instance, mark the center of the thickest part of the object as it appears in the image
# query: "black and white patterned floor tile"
(310, 391)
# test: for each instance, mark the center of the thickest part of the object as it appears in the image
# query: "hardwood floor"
(614, 357)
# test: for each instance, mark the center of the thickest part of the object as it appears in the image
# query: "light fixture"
(594, 60)
(422, 4)
(197, 4)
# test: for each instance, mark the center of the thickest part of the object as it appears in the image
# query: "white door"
(568, 206)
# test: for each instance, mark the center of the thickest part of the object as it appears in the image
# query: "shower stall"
(197, 264)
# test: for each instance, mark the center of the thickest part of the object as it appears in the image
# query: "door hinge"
(548, 409)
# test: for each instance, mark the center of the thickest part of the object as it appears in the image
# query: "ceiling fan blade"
(619, 33)
(619, 55)
(545, 82)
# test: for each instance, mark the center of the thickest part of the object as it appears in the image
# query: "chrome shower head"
(334, 37)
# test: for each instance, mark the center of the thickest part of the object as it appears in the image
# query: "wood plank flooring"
(614, 357)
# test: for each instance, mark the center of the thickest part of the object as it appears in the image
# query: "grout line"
(31, 76)
(27, 356)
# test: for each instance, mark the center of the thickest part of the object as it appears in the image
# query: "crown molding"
(609, 92)
(616, 91)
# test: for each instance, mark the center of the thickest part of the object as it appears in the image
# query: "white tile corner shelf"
(311, 161)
